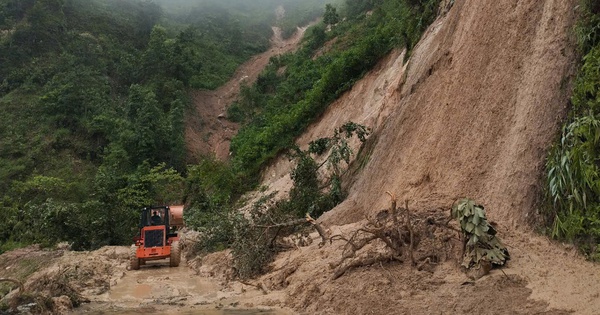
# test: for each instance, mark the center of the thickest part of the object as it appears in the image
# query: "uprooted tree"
(257, 233)
(424, 239)
(317, 188)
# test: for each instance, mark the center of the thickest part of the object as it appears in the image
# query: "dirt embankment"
(472, 113)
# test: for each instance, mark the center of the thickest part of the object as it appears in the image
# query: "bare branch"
(410, 230)
(319, 229)
(15, 281)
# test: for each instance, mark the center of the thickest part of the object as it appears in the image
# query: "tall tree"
(146, 126)
(330, 17)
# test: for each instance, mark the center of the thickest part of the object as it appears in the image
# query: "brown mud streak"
(208, 132)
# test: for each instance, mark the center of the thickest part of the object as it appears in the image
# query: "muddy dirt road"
(158, 288)
(61, 281)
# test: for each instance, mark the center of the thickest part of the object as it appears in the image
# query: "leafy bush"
(479, 238)
(254, 245)
(588, 25)
(572, 174)
(574, 182)
(211, 187)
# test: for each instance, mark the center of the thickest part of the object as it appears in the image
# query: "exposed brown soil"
(208, 132)
(472, 113)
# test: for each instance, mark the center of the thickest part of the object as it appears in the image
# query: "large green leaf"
(482, 243)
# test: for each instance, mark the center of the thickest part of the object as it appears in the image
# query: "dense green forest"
(93, 95)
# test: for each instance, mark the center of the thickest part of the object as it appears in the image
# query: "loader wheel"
(134, 261)
(175, 254)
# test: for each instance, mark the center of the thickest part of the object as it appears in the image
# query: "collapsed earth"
(352, 157)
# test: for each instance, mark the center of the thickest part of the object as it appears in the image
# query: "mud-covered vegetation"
(573, 173)
(255, 234)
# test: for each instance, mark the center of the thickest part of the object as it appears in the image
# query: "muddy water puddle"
(185, 312)
(157, 281)
(159, 289)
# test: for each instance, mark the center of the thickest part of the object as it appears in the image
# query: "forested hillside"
(335, 184)
(93, 95)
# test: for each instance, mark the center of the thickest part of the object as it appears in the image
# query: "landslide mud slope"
(208, 132)
(485, 91)
(472, 113)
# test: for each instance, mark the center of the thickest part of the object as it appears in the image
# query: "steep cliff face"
(472, 113)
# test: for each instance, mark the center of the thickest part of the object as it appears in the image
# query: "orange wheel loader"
(158, 237)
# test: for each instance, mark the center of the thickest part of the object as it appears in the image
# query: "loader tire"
(175, 258)
(134, 261)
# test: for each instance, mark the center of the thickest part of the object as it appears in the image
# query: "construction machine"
(158, 237)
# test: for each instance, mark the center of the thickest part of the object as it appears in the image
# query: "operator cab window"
(157, 217)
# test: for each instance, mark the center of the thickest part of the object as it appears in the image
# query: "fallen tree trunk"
(306, 219)
(17, 282)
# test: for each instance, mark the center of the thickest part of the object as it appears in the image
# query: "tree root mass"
(423, 238)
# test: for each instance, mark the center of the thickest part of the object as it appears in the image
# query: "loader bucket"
(176, 216)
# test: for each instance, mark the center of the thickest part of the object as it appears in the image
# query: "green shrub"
(574, 182)
(479, 238)
(572, 166)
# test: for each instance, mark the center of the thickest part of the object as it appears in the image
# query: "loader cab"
(155, 228)
(154, 216)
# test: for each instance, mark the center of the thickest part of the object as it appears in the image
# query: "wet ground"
(159, 289)
(198, 311)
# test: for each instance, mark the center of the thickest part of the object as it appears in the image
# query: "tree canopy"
(94, 92)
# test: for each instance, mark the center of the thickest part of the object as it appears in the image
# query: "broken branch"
(410, 231)
(15, 281)
(306, 219)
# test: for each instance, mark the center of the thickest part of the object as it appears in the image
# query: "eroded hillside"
(484, 92)
(471, 113)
